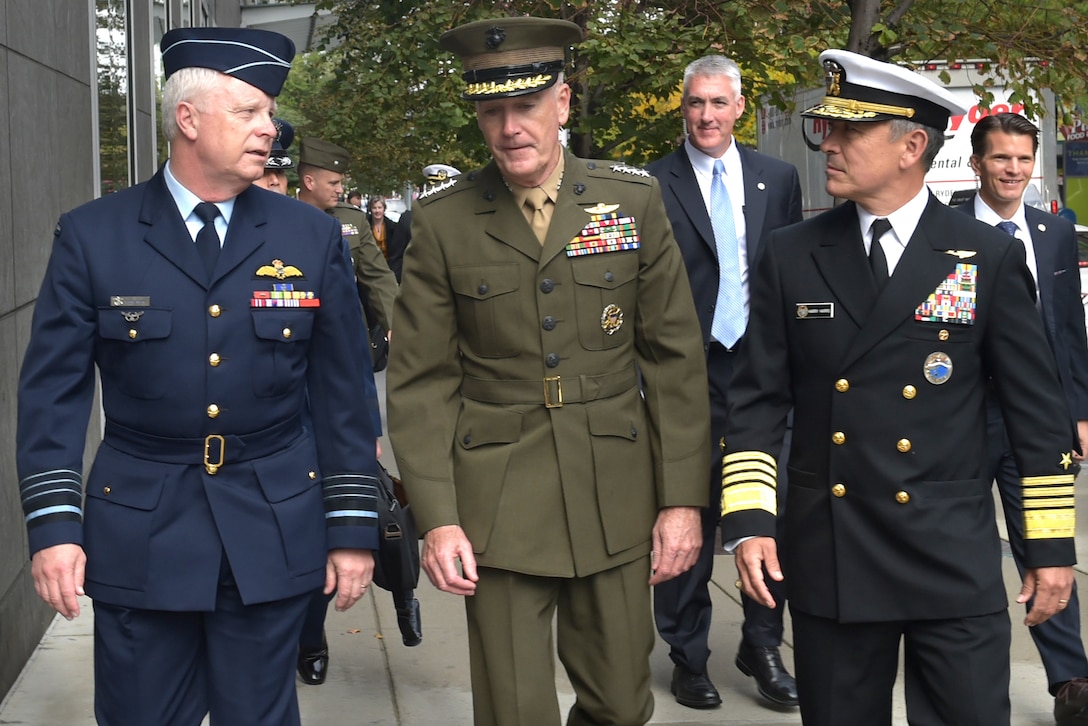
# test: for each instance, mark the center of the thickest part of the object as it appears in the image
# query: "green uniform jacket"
(371, 269)
(495, 330)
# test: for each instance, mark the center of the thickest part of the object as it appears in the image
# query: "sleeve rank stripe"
(1052, 491)
(1049, 524)
(747, 496)
(52, 496)
(734, 468)
(1037, 481)
(750, 477)
(1049, 503)
(751, 457)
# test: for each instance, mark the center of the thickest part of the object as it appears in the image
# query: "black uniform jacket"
(890, 517)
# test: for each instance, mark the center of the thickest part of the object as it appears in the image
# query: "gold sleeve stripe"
(749, 481)
(750, 457)
(1049, 492)
(1049, 524)
(1049, 503)
(749, 495)
(1038, 481)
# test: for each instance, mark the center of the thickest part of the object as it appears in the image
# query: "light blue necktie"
(728, 325)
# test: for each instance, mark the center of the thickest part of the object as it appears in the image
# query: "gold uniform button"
(214, 359)
(313, 475)
(909, 392)
(839, 490)
(838, 438)
(215, 311)
(132, 333)
(213, 411)
(902, 497)
(903, 445)
(943, 335)
(286, 332)
(106, 491)
(842, 385)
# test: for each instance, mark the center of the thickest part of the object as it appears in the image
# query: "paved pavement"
(374, 679)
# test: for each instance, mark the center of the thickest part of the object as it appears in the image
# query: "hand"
(677, 539)
(442, 548)
(1051, 588)
(58, 577)
(349, 573)
(1082, 438)
(753, 556)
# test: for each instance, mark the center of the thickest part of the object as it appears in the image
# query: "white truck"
(786, 135)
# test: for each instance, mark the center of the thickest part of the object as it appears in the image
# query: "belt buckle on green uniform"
(553, 394)
(209, 466)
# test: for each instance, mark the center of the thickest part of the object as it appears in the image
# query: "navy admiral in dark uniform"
(212, 309)
(880, 323)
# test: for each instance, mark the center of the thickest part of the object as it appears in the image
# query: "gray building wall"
(48, 164)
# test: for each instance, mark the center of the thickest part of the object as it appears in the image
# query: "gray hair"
(713, 65)
(186, 84)
(900, 126)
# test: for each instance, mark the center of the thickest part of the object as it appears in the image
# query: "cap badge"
(495, 37)
(611, 319)
(834, 78)
(278, 270)
(937, 368)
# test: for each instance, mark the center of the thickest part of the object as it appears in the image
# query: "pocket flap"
(134, 325)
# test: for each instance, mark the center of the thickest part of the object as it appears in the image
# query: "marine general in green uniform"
(547, 399)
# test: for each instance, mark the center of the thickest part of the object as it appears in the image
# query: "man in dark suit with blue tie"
(1004, 147)
(722, 200)
(214, 311)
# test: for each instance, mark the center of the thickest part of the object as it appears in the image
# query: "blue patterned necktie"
(207, 239)
(728, 325)
(1009, 227)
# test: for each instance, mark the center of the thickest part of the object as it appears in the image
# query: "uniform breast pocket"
(133, 345)
(488, 308)
(606, 290)
(282, 346)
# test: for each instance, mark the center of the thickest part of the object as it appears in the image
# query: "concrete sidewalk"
(375, 679)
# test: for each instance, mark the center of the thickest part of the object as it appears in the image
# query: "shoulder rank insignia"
(436, 188)
(278, 270)
(628, 169)
(961, 254)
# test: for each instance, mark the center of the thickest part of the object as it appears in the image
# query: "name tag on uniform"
(815, 310)
(130, 301)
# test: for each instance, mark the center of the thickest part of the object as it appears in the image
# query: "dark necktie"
(877, 262)
(1009, 227)
(207, 239)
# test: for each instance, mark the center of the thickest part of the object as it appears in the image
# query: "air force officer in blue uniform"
(210, 514)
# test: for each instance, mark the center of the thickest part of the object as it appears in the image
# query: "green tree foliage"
(383, 88)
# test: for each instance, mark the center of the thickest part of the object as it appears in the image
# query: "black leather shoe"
(694, 690)
(765, 665)
(1071, 703)
(313, 664)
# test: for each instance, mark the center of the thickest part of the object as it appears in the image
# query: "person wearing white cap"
(883, 337)
(214, 312)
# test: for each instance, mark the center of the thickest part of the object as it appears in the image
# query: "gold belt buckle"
(210, 467)
(556, 400)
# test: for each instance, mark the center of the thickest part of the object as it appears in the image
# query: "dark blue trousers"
(236, 663)
(1058, 639)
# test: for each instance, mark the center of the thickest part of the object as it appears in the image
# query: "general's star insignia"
(278, 270)
(1067, 461)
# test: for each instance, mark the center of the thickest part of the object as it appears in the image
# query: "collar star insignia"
(1067, 461)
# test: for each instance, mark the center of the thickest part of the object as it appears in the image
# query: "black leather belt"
(552, 391)
(212, 451)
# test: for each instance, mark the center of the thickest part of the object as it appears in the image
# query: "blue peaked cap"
(261, 58)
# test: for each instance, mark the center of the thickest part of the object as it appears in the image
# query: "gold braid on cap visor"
(513, 84)
(861, 109)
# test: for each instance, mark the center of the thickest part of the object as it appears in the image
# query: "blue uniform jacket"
(198, 377)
